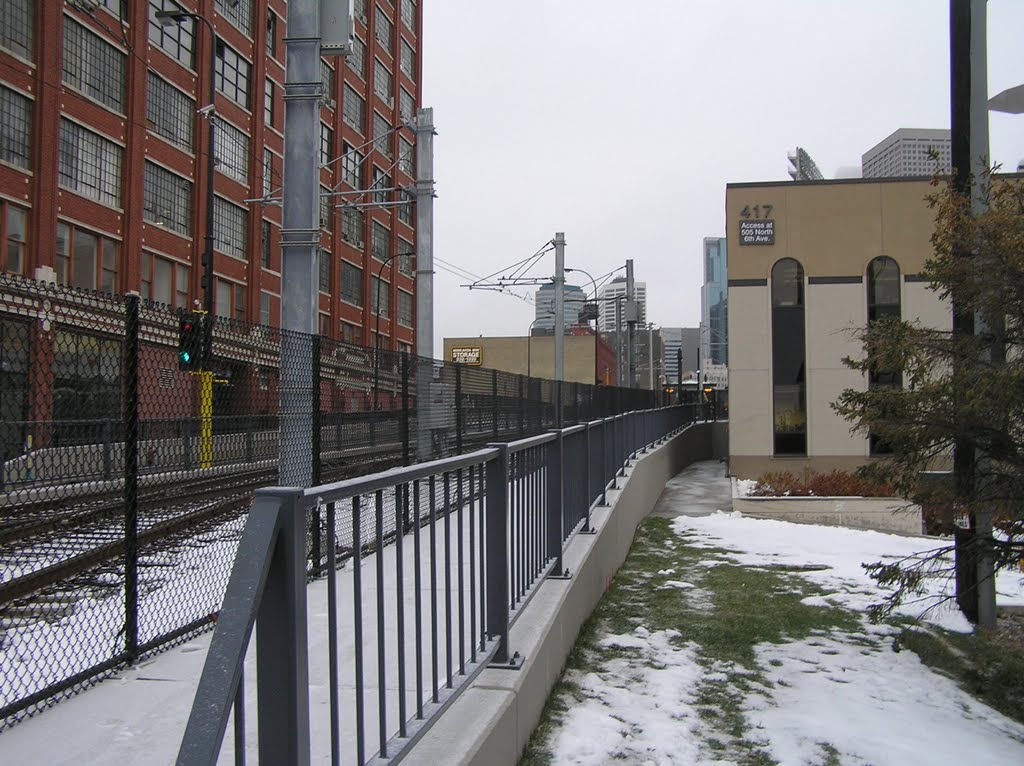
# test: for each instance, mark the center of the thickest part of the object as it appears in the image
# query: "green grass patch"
(729, 611)
(983, 667)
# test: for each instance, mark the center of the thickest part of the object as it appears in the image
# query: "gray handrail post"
(267, 587)
(556, 502)
(496, 563)
(588, 471)
(282, 645)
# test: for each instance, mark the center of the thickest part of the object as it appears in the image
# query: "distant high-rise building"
(606, 303)
(804, 168)
(714, 301)
(572, 304)
(908, 153)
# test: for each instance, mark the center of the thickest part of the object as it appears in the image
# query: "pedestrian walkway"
(700, 489)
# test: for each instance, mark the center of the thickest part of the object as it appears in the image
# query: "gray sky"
(620, 123)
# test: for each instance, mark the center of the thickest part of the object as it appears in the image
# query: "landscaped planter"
(885, 514)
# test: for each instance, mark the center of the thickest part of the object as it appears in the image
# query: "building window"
(357, 59)
(169, 112)
(409, 14)
(15, 128)
(384, 28)
(352, 223)
(351, 284)
(406, 106)
(351, 165)
(238, 12)
(89, 164)
(324, 265)
(381, 185)
(406, 157)
(789, 382)
(164, 281)
(404, 308)
(230, 302)
(14, 237)
(233, 74)
(883, 301)
(177, 40)
(268, 172)
(380, 241)
(326, 145)
(382, 135)
(405, 261)
(379, 296)
(354, 110)
(271, 34)
(407, 60)
(167, 199)
(327, 78)
(231, 149)
(86, 378)
(265, 243)
(230, 227)
(85, 260)
(265, 317)
(16, 27)
(326, 207)
(93, 66)
(404, 212)
(268, 102)
(382, 81)
(359, 10)
(351, 333)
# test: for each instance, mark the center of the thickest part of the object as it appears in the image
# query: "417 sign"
(756, 228)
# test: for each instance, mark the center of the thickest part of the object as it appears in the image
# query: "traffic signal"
(190, 342)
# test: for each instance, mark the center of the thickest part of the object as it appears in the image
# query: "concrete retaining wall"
(883, 514)
(491, 722)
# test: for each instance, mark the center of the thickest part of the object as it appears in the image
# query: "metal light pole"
(376, 339)
(559, 241)
(173, 18)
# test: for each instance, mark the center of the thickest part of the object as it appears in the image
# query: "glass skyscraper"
(714, 344)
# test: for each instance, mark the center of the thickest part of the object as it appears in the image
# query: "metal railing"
(426, 568)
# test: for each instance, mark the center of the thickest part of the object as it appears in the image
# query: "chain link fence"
(125, 475)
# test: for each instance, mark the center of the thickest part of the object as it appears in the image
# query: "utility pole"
(300, 240)
(632, 316)
(559, 322)
(970, 152)
(424, 281)
(618, 341)
(650, 351)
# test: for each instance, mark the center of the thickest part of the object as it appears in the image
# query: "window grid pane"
(230, 225)
(326, 144)
(89, 164)
(351, 284)
(268, 102)
(407, 59)
(268, 172)
(169, 112)
(404, 212)
(409, 14)
(93, 66)
(16, 27)
(382, 81)
(352, 220)
(177, 40)
(380, 241)
(405, 261)
(406, 157)
(327, 78)
(354, 110)
(405, 308)
(351, 166)
(384, 28)
(381, 185)
(265, 234)
(382, 135)
(357, 61)
(15, 128)
(231, 149)
(379, 296)
(233, 74)
(406, 105)
(238, 12)
(167, 199)
(324, 258)
(325, 208)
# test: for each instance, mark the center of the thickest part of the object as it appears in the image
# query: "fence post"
(315, 529)
(458, 409)
(496, 554)
(494, 403)
(604, 461)
(588, 494)
(405, 408)
(131, 477)
(522, 407)
(556, 503)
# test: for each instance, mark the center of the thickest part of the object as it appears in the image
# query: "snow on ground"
(849, 691)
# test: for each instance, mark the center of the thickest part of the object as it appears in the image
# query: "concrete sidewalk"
(698, 490)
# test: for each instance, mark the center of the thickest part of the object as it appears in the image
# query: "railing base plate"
(515, 662)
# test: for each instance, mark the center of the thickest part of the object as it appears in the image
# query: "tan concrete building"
(809, 264)
(588, 359)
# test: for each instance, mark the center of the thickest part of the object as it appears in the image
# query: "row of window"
(789, 354)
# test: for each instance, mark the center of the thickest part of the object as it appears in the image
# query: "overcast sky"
(620, 123)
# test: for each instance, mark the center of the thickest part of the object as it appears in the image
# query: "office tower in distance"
(714, 341)
(607, 296)
(908, 153)
(544, 301)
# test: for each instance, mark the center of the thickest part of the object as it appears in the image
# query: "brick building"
(103, 150)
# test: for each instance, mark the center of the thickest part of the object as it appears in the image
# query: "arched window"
(883, 301)
(789, 380)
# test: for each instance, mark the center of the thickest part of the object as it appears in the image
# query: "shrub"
(831, 484)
